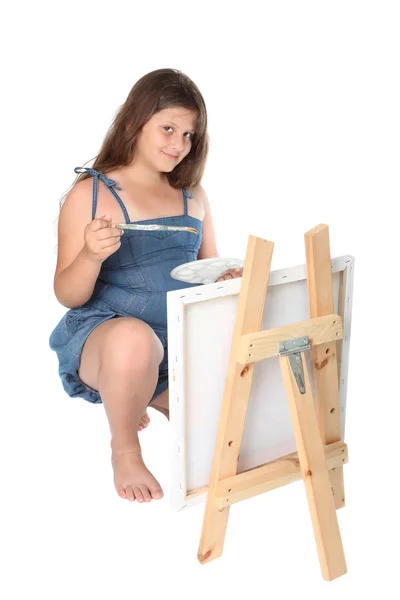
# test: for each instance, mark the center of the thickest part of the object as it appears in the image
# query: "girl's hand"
(231, 274)
(101, 238)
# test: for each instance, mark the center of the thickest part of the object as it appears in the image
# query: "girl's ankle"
(119, 446)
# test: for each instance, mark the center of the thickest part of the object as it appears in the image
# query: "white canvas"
(201, 321)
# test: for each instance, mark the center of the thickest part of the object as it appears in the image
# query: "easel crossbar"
(264, 344)
(272, 475)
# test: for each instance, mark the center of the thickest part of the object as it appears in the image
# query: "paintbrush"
(156, 227)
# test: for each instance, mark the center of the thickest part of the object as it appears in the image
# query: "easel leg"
(250, 312)
(325, 364)
(314, 471)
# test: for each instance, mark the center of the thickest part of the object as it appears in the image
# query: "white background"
(303, 103)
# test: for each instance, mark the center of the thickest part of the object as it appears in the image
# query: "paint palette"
(206, 270)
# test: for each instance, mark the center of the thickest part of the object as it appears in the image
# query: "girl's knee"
(131, 345)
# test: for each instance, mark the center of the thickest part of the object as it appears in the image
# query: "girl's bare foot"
(144, 421)
(132, 479)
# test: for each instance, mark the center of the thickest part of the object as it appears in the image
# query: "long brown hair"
(155, 91)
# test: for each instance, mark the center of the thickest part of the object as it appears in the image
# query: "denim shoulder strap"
(110, 183)
(186, 195)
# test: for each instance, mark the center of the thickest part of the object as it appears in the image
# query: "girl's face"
(166, 138)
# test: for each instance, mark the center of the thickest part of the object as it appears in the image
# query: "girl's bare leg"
(161, 403)
(120, 359)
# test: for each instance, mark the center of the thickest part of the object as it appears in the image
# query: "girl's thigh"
(120, 341)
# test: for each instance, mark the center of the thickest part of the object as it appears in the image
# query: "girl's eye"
(188, 132)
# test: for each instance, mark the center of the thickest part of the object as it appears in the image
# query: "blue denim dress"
(133, 282)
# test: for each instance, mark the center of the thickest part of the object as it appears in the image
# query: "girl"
(112, 343)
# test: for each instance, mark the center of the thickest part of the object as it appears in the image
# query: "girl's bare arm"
(83, 245)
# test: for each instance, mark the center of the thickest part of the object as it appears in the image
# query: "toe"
(144, 421)
(129, 493)
(138, 493)
(121, 492)
(146, 493)
(157, 493)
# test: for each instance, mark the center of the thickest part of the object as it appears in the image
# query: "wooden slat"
(265, 344)
(272, 475)
(320, 293)
(251, 303)
(251, 476)
(315, 475)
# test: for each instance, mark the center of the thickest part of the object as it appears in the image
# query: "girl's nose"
(177, 144)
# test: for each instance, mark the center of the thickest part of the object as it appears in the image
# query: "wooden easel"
(320, 451)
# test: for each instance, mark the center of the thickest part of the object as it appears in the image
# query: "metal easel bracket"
(292, 349)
